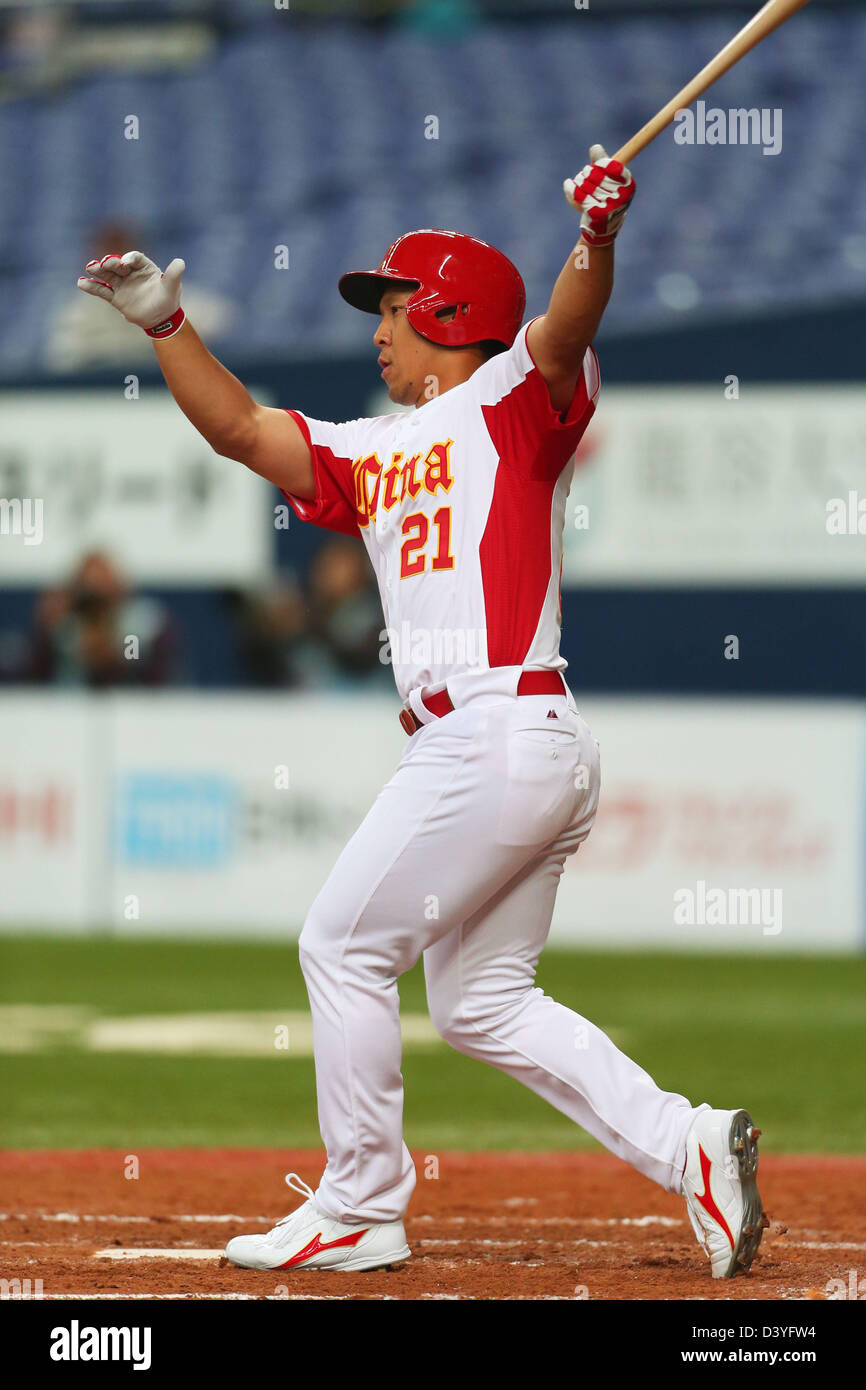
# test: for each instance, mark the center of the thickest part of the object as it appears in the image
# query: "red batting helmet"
(451, 271)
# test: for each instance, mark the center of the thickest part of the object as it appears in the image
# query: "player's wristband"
(598, 238)
(168, 327)
(606, 230)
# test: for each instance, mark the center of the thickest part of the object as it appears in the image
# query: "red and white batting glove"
(139, 290)
(602, 192)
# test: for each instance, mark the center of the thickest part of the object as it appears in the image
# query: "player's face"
(404, 356)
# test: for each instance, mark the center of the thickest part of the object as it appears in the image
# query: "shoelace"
(299, 1186)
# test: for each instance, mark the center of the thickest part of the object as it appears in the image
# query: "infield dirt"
(490, 1226)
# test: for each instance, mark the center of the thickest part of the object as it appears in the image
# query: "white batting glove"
(602, 192)
(138, 289)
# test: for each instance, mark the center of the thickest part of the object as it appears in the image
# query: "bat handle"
(631, 147)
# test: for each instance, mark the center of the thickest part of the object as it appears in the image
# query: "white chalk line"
(467, 1262)
(510, 1244)
(824, 1244)
(146, 1252)
(181, 1297)
(222, 1218)
(668, 1221)
(288, 1298)
(73, 1217)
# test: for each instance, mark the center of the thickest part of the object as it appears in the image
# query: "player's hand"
(138, 289)
(601, 192)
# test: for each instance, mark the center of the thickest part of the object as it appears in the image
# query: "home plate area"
(489, 1226)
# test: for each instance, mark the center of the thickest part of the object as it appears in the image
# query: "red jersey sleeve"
(529, 435)
(333, 450)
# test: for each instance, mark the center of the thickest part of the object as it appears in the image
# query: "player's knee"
(316, 945)
(449, 1018)
(467, 1023)
(458, 1034)
(329, 946)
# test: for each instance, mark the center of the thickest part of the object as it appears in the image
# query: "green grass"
(782, 1035)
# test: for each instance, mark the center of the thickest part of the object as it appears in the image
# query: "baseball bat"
(774, 13)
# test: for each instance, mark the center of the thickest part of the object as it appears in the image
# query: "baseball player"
(460, 503)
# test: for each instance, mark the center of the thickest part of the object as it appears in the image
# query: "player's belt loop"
(438, 703)
(408, 720)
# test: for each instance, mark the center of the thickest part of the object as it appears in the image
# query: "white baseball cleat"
(721, 1190)
(307, 1239)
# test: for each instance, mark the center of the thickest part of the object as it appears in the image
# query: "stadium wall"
(722, 826)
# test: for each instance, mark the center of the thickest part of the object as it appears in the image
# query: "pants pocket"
(542, 791)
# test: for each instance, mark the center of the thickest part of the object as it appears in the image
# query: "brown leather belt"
(439, 704)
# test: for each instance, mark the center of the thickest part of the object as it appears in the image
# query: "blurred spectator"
(86, 332)
(326, 637)
(270, 627)
(33, 49)
(93, 633)
(345, 617)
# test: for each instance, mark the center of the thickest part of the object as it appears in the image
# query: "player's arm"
(559, 339)
(268, 441)
(234, 424)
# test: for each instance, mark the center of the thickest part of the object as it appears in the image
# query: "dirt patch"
(491, 1226)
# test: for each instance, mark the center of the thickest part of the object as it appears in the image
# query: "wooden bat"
(774, 13)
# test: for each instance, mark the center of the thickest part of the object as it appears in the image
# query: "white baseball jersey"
(461, 504)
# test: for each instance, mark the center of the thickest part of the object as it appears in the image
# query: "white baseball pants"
(460, 858)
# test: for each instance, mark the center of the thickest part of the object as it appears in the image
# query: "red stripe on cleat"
(315, 1246)
(706, 1198)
